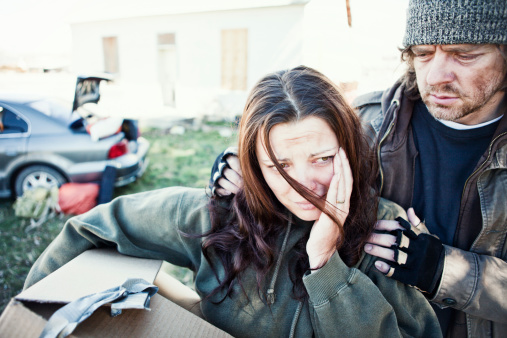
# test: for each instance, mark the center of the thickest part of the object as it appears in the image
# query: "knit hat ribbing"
(444, 22)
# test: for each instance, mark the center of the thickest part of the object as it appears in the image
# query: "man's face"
(460, 82)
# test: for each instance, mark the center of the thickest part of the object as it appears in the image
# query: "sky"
(35, 26)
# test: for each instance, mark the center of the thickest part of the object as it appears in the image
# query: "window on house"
(166, 39)
(167, 67)
(234, 58)
(110, 45)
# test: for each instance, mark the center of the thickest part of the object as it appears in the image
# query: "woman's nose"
(306, 177)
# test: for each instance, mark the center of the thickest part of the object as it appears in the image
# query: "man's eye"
(421, 55)
(467, 57)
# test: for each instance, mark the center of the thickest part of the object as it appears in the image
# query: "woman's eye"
(324, 159)
(283, 165)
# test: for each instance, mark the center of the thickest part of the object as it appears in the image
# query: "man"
(441, 141)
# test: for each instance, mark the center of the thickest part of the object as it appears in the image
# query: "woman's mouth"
(306, 205)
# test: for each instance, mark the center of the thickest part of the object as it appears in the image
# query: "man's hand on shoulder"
(415, 257)
(226, 177)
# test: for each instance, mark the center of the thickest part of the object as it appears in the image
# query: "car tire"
(37, 176)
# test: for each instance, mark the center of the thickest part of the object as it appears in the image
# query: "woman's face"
(305, 150)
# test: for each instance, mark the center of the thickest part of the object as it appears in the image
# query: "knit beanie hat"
(445, 22)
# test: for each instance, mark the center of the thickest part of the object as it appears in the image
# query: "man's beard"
(469, 103)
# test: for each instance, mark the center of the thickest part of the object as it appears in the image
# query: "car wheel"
(37, 176)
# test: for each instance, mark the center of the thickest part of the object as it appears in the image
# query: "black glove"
(217, 170)
(419, 258)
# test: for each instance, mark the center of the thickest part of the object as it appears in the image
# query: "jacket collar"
(498, 147)
(398, 109)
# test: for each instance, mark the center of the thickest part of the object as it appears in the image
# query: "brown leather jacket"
(474, 280)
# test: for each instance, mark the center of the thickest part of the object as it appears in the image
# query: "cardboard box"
(95, 271)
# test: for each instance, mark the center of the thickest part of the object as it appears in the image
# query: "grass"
(183, 160)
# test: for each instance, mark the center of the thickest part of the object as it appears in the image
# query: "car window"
(11, 123)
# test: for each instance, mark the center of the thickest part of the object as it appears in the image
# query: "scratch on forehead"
(301, 137)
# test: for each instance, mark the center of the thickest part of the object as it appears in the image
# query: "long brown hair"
(245, 235)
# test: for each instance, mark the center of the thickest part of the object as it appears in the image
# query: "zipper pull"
(270, 297)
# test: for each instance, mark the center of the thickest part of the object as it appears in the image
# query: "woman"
(284, 256)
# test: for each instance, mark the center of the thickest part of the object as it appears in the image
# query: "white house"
(200, 57)
(187, 59)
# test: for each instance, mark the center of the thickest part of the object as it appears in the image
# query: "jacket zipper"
(378, 149)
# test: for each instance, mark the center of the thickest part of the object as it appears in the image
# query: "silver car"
(44, 143)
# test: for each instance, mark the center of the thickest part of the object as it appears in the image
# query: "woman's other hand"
(324, 234)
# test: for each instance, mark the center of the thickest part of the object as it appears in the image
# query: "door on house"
(234, 58)
(110, 46)
(167, 67)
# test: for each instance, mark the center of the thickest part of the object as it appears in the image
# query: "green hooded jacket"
(343, 301)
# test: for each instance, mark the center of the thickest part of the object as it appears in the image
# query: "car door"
(14, 132)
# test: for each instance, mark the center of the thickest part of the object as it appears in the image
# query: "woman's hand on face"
(324, 234)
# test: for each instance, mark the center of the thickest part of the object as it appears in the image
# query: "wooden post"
(349, 16)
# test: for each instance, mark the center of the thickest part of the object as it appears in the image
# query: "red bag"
(77, 198)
